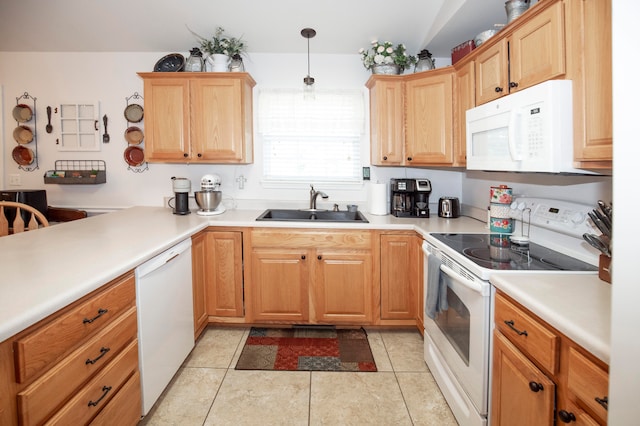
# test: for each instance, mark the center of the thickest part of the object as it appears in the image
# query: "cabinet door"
(224, 286)
(343, 287)
(522, 394)
(465, 90)
(199, 278)
(399, 276)
(386, 101)
(589, 47)
(536, 49)
(492, 73)
(280, 286)
(429, 118)
(166, 104)
(217, 126)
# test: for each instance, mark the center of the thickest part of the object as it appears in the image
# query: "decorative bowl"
(484, 36)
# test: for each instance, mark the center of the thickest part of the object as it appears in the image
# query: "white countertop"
(45, 270)
(579, 306)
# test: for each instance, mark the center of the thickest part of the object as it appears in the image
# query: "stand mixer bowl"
(208, 201)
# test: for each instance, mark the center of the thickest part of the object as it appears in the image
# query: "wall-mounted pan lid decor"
(22, 113)
(134, 156)
(23, 134)
(22, 155)
(134, 113)
(173, 62)
(134, 135)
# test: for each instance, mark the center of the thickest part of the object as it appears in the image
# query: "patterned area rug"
(307, 349)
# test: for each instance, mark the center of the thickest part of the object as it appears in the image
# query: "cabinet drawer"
(39, 399)
(311, 239)
(588, 382)
(39, 349)
(125, 407)
(528, 334)
(90, 400)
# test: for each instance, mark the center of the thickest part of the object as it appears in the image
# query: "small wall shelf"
(77, 172)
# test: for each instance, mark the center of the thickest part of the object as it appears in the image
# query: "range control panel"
(557, 215)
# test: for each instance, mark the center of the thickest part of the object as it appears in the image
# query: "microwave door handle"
(462, 280)
(514, 131)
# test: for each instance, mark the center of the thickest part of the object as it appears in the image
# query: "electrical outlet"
(14, 180)
(366, 173)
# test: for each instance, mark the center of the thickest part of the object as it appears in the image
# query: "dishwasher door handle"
(171, 258)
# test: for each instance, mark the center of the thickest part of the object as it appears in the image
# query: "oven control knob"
(578, 218)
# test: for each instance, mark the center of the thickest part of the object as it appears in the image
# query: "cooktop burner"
(495, 251)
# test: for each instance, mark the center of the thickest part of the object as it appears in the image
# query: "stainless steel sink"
(311, 215)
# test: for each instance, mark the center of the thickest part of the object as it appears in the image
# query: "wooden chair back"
(36, 218)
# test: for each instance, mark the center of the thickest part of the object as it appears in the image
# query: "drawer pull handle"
(604, 402)
(101, 312)
(105, 391)
(566, 416)
(511, 325)
(535, 387)
(103, 352)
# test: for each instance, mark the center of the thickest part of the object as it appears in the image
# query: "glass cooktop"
(496, 251)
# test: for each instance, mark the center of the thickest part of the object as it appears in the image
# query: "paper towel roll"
(378, 203)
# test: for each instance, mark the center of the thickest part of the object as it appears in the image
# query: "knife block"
(604, 268)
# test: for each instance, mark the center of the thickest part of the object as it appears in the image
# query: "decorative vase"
(217, 62)
(389, 69)
(515, 8)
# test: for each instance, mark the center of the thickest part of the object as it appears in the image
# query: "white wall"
(109, 78)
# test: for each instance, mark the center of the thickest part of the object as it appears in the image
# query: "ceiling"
(267, 26)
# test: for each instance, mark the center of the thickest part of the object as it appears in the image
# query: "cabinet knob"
(384, 158)
(409, 158)
(535, 387)
(303, 257)
(319, 257)
(199, 155)
(513, 84)
(498, 89)
(185, 155)
(566, 416)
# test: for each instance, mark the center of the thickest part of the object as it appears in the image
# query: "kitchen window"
(311, 138)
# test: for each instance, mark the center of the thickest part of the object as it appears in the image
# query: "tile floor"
(208, 391)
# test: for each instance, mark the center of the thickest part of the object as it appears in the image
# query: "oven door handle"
(477, 287)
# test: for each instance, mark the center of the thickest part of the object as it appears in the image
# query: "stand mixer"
(209, 196)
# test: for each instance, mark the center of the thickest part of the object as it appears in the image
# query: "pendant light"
(308, 33)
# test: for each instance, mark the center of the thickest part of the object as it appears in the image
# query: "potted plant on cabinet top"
(221, 48)
(383, 58)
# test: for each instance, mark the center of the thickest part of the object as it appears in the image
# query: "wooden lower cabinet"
(311, 276)
(400, 276)
(77, 366)
(199, 281)
(540, 376)
(522, 394)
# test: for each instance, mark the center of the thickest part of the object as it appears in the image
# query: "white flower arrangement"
(221, 43)
(385, 53)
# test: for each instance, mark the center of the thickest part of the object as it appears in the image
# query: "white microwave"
(527, 131)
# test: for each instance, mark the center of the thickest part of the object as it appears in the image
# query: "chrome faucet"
(313, 195)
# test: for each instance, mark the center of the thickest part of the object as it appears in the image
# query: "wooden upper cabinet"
(198, 117)
(536, 49)
(386, 100)
(531, 52)
(492, 72)
(166, 124)
(589, 62)
(429, 118)
(465, 98)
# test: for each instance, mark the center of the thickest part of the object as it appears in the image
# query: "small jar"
(194, 63)
(236, 64)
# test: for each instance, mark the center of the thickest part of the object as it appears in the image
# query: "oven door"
(462, 335)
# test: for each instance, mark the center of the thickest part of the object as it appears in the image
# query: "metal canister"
(501, 195)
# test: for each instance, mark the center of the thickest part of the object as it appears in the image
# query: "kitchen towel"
(378, 199)
(437, 283)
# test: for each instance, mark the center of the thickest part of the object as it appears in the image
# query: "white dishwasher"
(165, 318)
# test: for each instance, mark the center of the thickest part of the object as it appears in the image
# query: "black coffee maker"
(410, 197)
